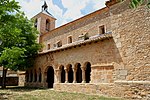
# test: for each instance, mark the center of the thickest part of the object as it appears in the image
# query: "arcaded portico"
(105, 52)
(72, 70)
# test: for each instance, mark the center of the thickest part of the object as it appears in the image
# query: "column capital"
(66, 70)
(83, 68)
(74, 81)
(74, 69)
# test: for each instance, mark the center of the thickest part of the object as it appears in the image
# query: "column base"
(74, 81)
(58, 82)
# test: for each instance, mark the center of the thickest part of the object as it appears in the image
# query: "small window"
(47, 25)
(70, 39)
(59, 44)
(54, 45)
(48, 46)
(35, 24)
(102, 30)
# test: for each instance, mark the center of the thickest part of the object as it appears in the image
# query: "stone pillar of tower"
(44, 21)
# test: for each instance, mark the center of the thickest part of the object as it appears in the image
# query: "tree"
(18, 38)
(133, 3)
(136, 3)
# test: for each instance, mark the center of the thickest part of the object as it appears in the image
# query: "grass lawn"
(21, 93)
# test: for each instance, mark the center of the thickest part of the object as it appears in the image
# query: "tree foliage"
(136, 3)
(18, 37)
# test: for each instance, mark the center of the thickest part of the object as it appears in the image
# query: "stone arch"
(61, 68)
(44, 71)
(50, 76)
(40, 75)
(87, 66)
(47, 24)
(70, 73)
(78, 72)
(35, 76)
(46, 66)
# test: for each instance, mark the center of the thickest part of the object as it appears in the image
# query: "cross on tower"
(44, 7)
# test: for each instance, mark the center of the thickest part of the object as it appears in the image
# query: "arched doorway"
(70, 73)
(50, 77)
(88, 72)
(62, 74)
(79, 73)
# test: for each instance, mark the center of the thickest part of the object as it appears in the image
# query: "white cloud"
(74, 7)
(98, 4)
(54, 9)
(30, 7)
(33, 7)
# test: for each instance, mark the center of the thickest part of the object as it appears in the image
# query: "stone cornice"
(80, 42)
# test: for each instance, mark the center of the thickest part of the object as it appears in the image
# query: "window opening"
(59, 44)
(35, 24)
(47, 25)
(102, 29)
(70, 39)
(48, 46)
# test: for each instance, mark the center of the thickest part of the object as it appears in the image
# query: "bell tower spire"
(44, 7)
(44, 21)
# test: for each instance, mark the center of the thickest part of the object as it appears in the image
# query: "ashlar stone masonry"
(106, 52)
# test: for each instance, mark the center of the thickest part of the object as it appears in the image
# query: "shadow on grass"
(4, 96)
(22, 88)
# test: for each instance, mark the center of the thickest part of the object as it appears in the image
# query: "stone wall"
(10, 81)
(89, 24)
(119, 65)
(130, 29)
(41, 22)
(102, 73)
(124, 89)
(21, 80)
(74, 25)
(101, 55)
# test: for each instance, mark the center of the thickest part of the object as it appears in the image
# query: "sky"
(63, 10)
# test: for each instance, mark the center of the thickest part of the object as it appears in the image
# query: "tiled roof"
(80, 42)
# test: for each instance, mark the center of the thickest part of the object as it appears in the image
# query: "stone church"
(106, 52)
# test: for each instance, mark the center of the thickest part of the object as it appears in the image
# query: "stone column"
(43, 78)
(83, 74)
(58, 75)
(66, 74)
(37, 80)
(74, 75)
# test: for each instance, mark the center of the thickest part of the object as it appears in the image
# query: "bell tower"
(44, 21)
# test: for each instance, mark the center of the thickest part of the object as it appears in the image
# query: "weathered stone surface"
(119, 65)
